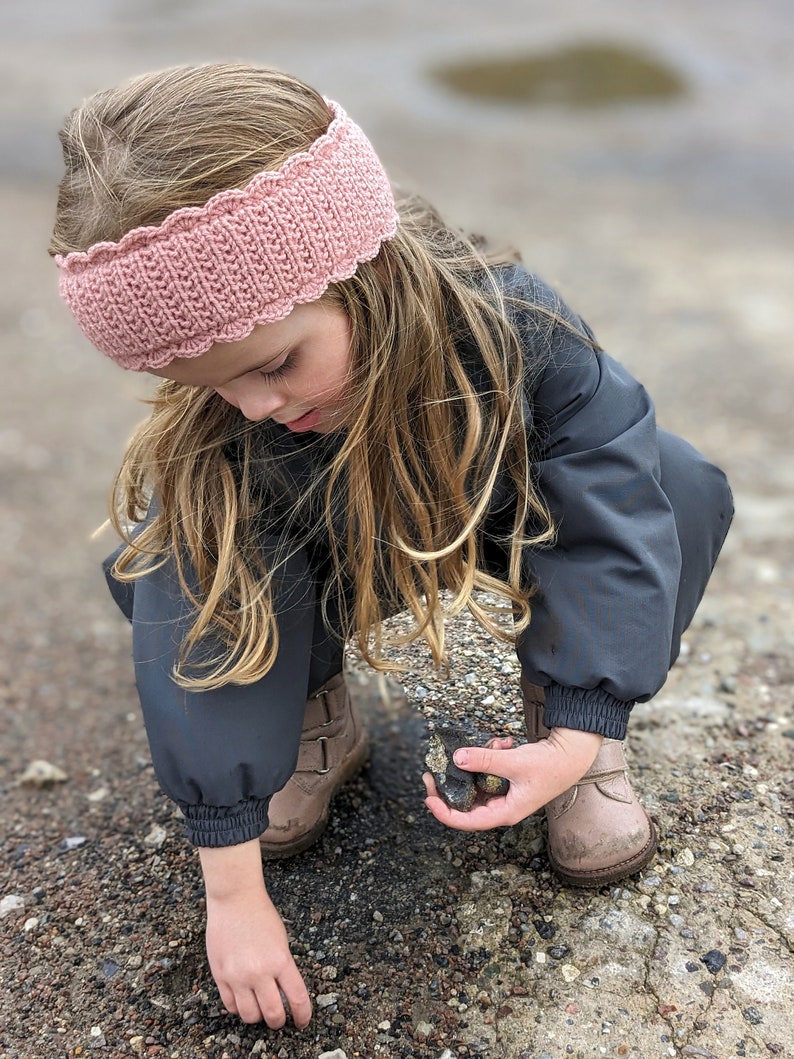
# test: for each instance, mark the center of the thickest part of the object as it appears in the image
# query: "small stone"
(136, 1043)
(569, 972)
(41, 773)
(72, 842)
(753, 1016)
(30, 924)
(377, 916)
(337, 1053)
(714, 960)
(495, 786)
(327, 1000)
(135, 961)
(11, 903)
(97, 1038)
(545, 929)
(423, 1029)
(384, 1026)
(559, 952)
(156, 837)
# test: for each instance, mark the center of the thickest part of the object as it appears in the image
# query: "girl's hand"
(247, 944)
(538, 772)
(251, 963)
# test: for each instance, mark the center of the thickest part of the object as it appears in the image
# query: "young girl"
(361, 413)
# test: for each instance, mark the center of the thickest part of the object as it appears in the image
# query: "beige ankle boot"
(333, 749)
(597, 830)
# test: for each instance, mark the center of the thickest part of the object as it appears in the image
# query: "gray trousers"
(238, 744)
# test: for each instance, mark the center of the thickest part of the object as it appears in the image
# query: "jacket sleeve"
(221, 754)
(603, 616)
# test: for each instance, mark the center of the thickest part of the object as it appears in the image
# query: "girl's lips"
(306, 422)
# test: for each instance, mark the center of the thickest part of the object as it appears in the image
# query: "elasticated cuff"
(587, 710)
(225, 825)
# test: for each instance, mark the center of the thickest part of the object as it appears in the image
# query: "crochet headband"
(248, 256)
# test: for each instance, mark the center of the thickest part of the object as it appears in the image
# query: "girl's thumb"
(473, 758)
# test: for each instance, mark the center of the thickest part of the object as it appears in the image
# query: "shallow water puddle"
(576, 75)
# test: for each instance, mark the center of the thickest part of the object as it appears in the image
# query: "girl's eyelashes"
(281, 370)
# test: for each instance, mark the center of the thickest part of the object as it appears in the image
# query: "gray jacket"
(641, 517)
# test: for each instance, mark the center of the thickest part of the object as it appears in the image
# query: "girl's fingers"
(227, 997)
(500, 743)
(249, 1007)
(493, 813)
(297, 996)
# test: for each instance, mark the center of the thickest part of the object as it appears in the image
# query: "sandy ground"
(670, 228)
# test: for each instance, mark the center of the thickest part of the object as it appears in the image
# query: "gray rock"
(458, 788)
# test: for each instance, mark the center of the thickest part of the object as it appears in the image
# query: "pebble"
(327, 1000)
(569, 972)
(424, 1029)
(42, 773)
(337, 1053)
(72, 842)
(11, 903)
(714, 960)
(97, 1038)
(156, 837)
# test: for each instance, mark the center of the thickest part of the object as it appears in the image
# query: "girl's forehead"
(225, 361)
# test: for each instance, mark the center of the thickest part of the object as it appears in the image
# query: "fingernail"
(461, 757)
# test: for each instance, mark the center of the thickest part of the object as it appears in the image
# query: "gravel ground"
(670, 229)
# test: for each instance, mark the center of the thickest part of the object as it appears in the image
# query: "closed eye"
(283, 369)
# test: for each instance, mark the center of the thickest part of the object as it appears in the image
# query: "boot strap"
(313, 756)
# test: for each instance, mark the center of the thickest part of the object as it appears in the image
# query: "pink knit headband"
(248, 256)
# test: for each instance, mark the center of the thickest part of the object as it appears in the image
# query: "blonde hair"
(417, 466)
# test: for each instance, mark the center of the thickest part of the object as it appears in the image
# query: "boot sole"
(616, 872)
(350, 767)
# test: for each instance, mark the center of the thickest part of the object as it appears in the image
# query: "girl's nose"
(257, 405)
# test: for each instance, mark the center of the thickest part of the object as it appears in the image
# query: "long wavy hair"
(436, 396)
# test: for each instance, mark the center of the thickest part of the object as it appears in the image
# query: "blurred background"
(640, 156)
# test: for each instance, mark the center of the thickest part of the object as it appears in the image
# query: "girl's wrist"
(232, 872)
(577, 746)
